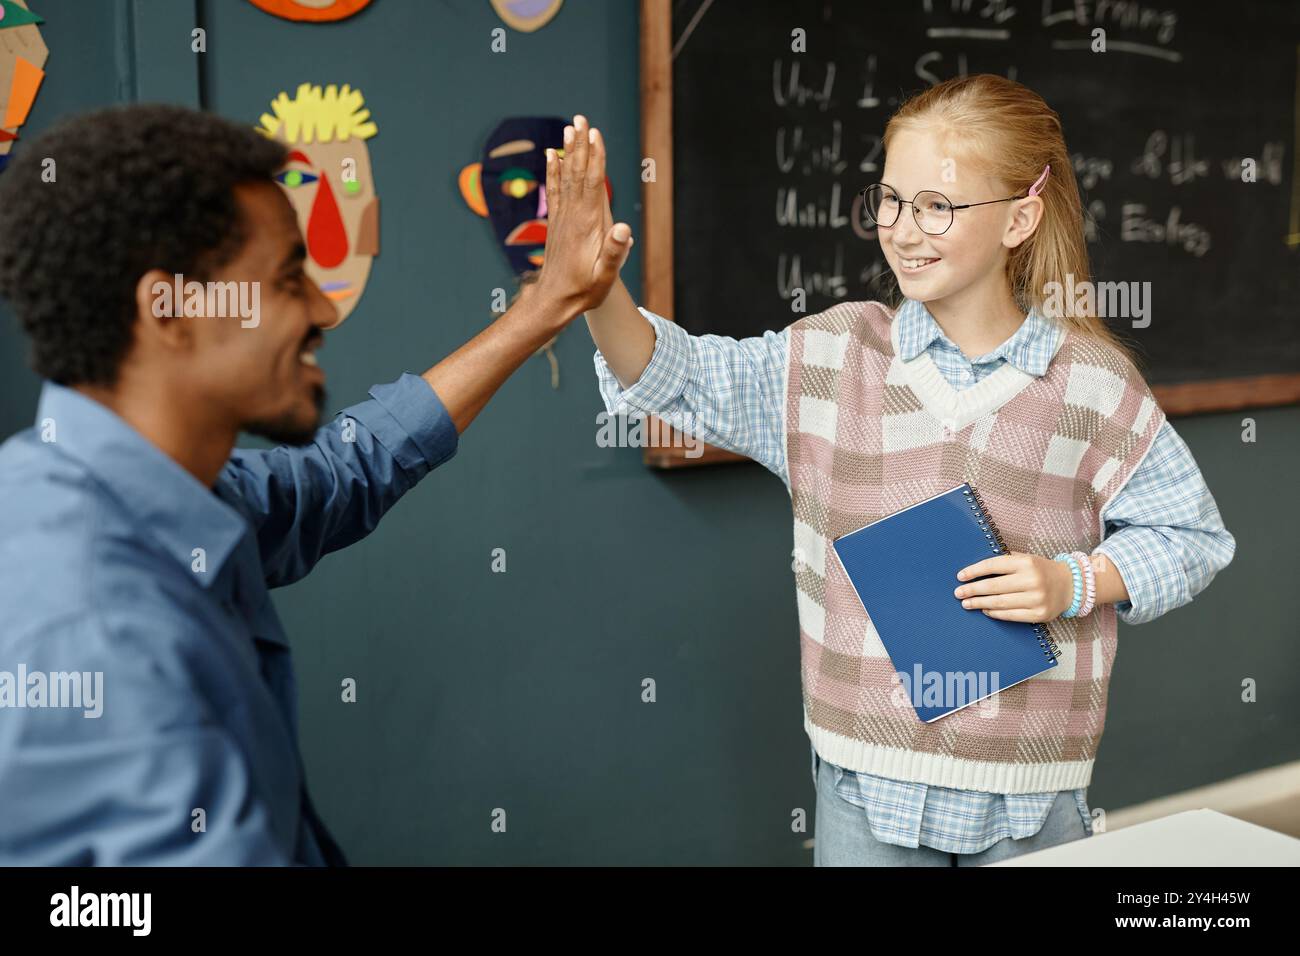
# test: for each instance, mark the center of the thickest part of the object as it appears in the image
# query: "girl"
(973, 373)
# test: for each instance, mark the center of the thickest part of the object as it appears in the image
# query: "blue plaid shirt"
(1162, 530)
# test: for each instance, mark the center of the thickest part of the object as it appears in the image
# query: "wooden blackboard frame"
(656, 242)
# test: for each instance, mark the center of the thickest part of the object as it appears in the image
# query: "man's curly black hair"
(134, 188)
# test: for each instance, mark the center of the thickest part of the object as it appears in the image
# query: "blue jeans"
(842, 836)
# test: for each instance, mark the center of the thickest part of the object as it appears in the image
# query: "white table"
(1192, 838)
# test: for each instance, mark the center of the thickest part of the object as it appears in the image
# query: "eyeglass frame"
(912, 202)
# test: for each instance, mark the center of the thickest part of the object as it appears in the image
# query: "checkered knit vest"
(868, 434)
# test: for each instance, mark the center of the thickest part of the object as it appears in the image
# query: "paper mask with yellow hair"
(329, 181)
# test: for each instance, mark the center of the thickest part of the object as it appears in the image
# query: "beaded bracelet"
(1076, 573)
(1089, 584)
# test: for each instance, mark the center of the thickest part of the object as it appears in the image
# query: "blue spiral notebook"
(904, 568)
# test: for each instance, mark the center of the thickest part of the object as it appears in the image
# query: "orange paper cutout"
(22, 92)
(313, 11)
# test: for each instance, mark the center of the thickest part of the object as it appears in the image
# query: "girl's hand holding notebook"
(1032, 588)
(1024, 587)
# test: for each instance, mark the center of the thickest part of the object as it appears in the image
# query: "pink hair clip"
(1038, 184)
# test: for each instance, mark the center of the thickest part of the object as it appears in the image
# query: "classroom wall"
(522, 691)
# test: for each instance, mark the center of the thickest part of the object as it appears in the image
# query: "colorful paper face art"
(526, 15)
(508, 186)
(329, 182)
(22, 56)
(313, 11)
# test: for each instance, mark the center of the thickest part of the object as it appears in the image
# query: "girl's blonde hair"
(1009, 132)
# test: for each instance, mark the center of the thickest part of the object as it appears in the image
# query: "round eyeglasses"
(933, 211)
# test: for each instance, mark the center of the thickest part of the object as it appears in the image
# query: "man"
(147, 694)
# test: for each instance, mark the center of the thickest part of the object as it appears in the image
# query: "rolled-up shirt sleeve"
(307, 502)
(728, 392)
(1165, 535)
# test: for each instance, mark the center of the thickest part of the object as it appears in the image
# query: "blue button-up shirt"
(1163, 529)
(148, 706)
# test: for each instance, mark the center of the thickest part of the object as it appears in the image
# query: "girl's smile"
(912, 266)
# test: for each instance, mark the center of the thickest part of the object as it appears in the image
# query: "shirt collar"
(167, 502)
(1028, 349)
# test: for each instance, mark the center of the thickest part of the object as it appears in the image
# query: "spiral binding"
(994, 537)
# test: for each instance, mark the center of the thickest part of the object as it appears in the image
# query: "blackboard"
(770, 147)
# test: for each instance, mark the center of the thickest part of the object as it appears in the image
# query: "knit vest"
(868, 434)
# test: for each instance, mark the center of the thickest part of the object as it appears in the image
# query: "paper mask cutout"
(526, 15)
(310, 11)
(22, 54)
(14, 14)
(330, 183)
(508, 186)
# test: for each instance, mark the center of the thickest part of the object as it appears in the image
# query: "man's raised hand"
(584, 252)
